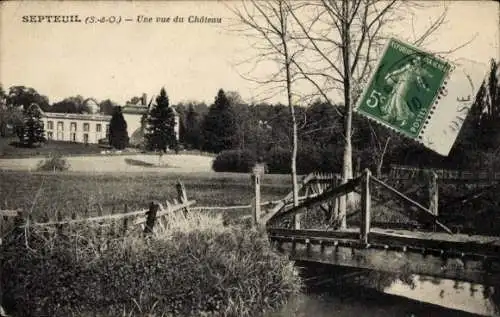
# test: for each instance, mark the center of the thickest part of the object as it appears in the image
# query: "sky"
(191, 60)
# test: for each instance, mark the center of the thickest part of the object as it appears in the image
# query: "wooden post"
(151, 217)
(433, 195)
(257, 171)
(365, 208)
(256, 209)
(59, 227)
(99, 223)
(336, 201)
(125, 221)
(358, 166)
(112, 225)
(124, 226)
(73, 217)
(296, 221)
(182, 196)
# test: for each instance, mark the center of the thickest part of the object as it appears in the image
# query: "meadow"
(10, 149)
(45, 193)
(195, 267)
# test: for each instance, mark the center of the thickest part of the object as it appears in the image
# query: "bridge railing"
(328, 195)
(366, 181)
(311, 185)
(402, 172)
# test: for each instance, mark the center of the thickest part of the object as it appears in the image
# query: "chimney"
(144, 99)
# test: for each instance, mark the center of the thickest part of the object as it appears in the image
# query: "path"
(121, 163)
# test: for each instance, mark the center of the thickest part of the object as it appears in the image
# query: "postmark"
(404, 88)
(451, 109)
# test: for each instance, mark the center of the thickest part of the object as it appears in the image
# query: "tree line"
(242, 133)
(264, 131)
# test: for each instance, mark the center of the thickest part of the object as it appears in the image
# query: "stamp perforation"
(437, 98)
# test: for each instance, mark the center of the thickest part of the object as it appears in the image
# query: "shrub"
(198, 268)
(238, 161)
(53, 163)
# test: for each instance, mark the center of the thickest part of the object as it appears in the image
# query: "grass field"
(46, 193)
(9, 150)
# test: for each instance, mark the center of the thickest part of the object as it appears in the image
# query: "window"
(50, 136)
(86, 127)
(107, 130)
(85, 138)
(60, 126)
(60, 136)
(73, 126)
(73, 136)
(50, 125)
(98, 127)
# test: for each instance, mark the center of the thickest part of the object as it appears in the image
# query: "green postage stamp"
(420, 95)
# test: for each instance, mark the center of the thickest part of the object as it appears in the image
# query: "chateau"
(92, 126)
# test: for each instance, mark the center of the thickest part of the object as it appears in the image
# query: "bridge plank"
(430, 240)
(352, 235)
(461, 243)
(393, 261)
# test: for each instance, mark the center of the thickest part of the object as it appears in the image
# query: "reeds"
(192, 266)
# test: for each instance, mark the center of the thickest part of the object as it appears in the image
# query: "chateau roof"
(77, 116)
(134, 109)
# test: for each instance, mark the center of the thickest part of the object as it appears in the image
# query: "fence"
(401, 172)
(365, 181)
(145, 218)
(312, 185)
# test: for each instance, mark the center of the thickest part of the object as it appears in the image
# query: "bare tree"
(268, 22)
(342, 39)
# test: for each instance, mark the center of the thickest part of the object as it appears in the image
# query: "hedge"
(278, 160)
(238, 161)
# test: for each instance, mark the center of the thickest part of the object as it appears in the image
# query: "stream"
(412, 296)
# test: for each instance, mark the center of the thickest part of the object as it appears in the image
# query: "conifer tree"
(32, 132)
(160, 131)
(220, 127)
(192, 128)
(118, 135)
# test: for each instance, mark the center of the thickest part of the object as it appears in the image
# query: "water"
(416, 296)
(473, 298)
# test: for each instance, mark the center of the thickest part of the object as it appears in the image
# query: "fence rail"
(115, 216)
(144, 217)
(366, 181)
(10, 213)
(249, 206)
(402, 172)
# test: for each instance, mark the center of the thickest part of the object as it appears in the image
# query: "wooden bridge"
(436, 252)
